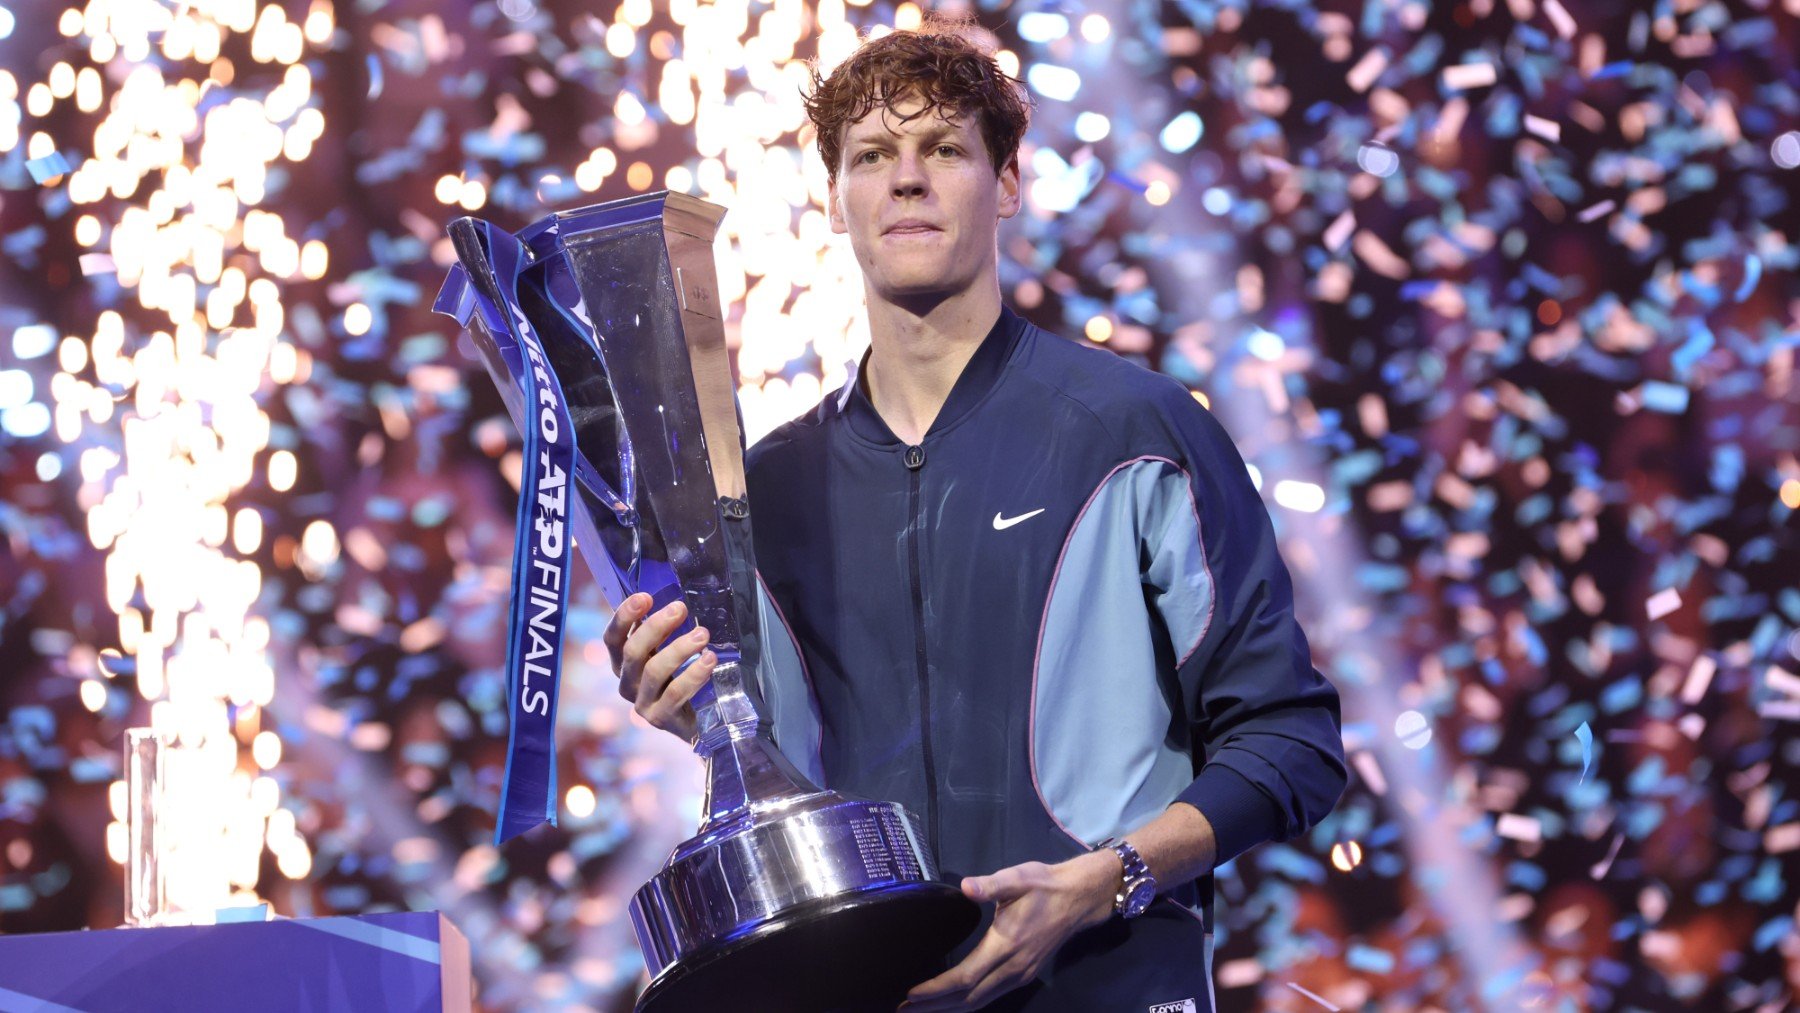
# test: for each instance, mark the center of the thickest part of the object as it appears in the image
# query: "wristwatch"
(1137, 888)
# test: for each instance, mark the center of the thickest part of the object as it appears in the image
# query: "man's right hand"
(647, 675)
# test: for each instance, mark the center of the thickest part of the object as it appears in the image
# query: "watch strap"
(1134, 872)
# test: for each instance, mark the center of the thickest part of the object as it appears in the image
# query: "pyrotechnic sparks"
(162, 399)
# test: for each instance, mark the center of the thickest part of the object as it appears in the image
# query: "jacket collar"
(978, 376)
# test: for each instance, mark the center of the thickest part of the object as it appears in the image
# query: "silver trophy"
(790, 897)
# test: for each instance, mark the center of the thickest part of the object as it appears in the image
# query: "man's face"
(932, 173)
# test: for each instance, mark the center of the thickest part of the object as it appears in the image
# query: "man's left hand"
(1040, 907)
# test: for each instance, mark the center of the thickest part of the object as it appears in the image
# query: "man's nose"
(909, 176)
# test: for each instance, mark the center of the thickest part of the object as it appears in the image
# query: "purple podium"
(402, 962)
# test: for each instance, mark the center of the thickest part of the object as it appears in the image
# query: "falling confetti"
(1585, 736)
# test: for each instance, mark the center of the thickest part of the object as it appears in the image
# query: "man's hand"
(1041, 906)
(647, 676)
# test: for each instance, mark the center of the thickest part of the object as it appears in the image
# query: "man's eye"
(947, 147)
(864, 157)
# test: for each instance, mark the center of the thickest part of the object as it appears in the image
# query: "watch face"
(1142, 893)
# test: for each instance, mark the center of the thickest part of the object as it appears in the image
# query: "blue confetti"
(1374, 960)
(1584, 735)
(48, 168)
(1669, 398)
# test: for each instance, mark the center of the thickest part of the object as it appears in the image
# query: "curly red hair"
(941, 65)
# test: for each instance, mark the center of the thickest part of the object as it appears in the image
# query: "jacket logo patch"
(1184, 1006)
(1002, 523)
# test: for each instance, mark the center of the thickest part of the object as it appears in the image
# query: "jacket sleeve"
(1265, 722)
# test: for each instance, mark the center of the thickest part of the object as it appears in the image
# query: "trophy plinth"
(790, 897)
(829, 905)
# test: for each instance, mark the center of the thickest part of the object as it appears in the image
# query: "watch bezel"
(1138, 894)
(1137, 886)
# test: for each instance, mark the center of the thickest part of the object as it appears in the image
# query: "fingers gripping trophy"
(603, 329)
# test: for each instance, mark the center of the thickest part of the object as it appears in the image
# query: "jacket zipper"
(914, 459)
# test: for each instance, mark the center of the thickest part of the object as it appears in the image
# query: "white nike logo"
(1002, 523)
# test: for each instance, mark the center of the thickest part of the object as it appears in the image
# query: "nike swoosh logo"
(1002, 523)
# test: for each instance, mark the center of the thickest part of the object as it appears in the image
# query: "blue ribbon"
(541, 556)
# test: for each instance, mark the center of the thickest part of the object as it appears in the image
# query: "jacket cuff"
(1241, 815)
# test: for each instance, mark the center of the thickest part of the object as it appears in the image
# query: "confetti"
(1599, 869)
(1469, 76)
(1669, 398)
(49, 168)
(1779, 710)
(1379, 256)
(1238, 973)
(1549, 130)
(1519, 828)
(1370, 769)
(1662, 603)
(1560, 18)
(1367, 69)
(1781, 680)
(1699, 677)
(1600, 210)
(1340, 230)
(1314, 996)
(1782, 839)
(1585, 736)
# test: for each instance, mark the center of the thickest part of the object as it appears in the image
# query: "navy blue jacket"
(1060, 613)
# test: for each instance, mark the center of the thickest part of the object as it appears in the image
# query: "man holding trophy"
(1023, 588)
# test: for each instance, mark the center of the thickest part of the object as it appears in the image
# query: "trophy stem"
(746, 774)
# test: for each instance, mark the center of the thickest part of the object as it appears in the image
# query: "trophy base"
(817, 958)
(821, 903)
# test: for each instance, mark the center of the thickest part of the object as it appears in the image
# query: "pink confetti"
(1549, 130)
(1780, 710)
(1559, 19)
(1314, 996)
(1379, 256)
(1239, 973)
(1515, 827)
(1367, 69)
(1698, 679)
(1470, 75)
(1662, 603)
(1339, 230)
(1782, 680)
(1367, 766)
(1782, 839)
(1603, 866)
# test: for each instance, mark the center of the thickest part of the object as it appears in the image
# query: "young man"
(1019, 585)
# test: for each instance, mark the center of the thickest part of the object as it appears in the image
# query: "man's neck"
(916, 355)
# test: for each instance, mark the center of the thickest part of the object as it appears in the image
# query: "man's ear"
(1009, 184)
(833, 210)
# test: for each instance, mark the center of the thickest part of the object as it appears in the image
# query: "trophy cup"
(790, 897)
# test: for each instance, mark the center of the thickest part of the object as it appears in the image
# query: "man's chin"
(912, 290)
